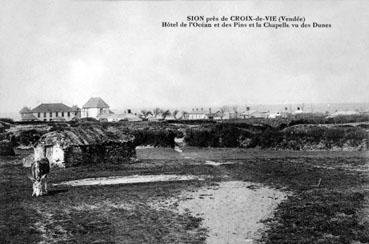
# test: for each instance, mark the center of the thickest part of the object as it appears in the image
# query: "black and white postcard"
(193, 121)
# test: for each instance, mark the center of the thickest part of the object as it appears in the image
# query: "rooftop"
(52, 107)
(96, 102)
(25, 110)
(87, 135)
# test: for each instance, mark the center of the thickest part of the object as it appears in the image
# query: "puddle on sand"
(232, 210)
(132, 179)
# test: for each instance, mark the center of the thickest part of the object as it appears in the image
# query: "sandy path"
(132, 179)
(231, 210)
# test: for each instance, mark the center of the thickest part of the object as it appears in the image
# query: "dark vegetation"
(6, 148)
(297, 132)
(192, 122)
(28, 137)
(331, 212)
(146, 133)
(285, 121)
(222, 135)
(304, 118)
(7, 120)
(93, 214)
(299, 137)
(154, 137)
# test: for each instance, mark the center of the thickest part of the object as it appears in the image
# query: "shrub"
(3, 136)
(201, 137)
(228, 135)
(295, 137)
(154, 137)
(341, 119)
(6, 148)
(270, 138)
(310, 134)
(219, 135)
(7, 120)
(88, 119)
(28, 137)
(59, 126)
(334, 134)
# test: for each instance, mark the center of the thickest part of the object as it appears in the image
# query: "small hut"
(85, 145)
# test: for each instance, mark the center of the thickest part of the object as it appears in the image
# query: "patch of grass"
(328, 213)
(110, 214)
(16, 222)
(319, 216)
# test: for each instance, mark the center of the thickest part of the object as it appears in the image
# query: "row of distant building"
(94, 107)
(98, 109)
(222, 114)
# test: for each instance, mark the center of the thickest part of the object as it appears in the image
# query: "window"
(68, 114)
(56, 114)
(38, 115)
(44, 114)
(45, 119)
(62, 114)
(51, 115)
(76, 113)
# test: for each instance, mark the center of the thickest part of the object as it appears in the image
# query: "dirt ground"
(328, 200)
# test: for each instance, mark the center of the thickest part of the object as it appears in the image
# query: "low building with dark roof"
(85, 145)
(94, 108)
(50, 112)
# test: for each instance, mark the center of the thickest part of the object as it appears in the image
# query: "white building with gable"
(94, 108)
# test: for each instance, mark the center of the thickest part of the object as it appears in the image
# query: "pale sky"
(68, 51)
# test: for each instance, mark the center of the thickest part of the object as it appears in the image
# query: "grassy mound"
(297, 137)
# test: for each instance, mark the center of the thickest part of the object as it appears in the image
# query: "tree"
(175, 113)
(165, 114)
(157, 111)
(221, 112)
(235, 110)
(184, 115)
(145, 113)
